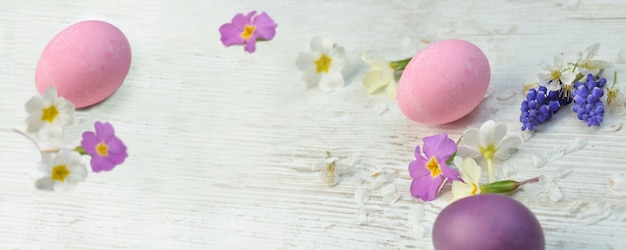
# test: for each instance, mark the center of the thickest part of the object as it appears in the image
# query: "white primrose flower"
(470, 174)
(490, 142)
(323, 65)
(48, 114)
(587, 65)
(380, 76)
(62, 171)
(556, 76)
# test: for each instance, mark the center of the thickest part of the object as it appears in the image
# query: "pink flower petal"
(426, 187)
(89, 142)
(250, 45)
(231, 35)
(265, 26)
(440, 146)
(99, 164)
(417, 168)
(104, 131)
(240, 21)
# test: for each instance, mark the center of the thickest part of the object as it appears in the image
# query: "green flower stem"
(506, 186)
(492, 176)
(400, 64)
(80, 150)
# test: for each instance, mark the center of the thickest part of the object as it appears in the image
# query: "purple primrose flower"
(246, 30)
(105, 148)
(429, 170)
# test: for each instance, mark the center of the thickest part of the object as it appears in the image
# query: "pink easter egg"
(86, 62)
(443, 82)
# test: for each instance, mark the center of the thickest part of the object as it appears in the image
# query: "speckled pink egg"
(443, 82)
(86, 62)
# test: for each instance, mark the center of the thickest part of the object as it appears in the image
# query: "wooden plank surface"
(221, 142)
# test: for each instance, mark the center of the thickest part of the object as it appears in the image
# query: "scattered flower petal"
(539, 161)
(562, 172)
(509, 170)
(62, 171)
(48, 114)
(416, 217)
(592, 213)
(576, 145)
(389, 193)
(106, 149)
(246, 30)
(323, 65)
(361, 196)
(361, 217)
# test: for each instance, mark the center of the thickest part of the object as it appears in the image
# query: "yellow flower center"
(323, 63)
(567, 91)
(488, 151)
(611, 99)
(433, 166)
(555, 75)
(102, 149)
(474, 189)
(49, 114)
(248, 30)
(59, 173)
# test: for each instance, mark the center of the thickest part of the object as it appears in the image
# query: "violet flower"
(105, 148)
(245, 30)
(430, 170)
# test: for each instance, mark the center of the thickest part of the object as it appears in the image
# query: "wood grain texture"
(222, 142)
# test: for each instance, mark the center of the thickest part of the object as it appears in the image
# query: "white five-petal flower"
(557, 75)
(470, 173)
(323, 65)
(48, 114)
(62, 171)
(615, 100)
(490, 142)
(380, 76)
(587, 65)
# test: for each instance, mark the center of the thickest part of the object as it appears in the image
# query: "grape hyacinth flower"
(587, 103)
(105, 149)
(246, 30)
(430, 171)
(539, 106)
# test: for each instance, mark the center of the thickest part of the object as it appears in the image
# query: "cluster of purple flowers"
(587, 103)
(539, 106)
(541, 103)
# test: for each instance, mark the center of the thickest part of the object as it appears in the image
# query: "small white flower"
(380, 76)
(331, 171)
(470, 173)
(323, 64)
(48, 114)
(587, 65)
(615, 100)
(556, 76)
(490, 142)
(62, 172)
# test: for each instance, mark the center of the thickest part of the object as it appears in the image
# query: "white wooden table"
(221, 142)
